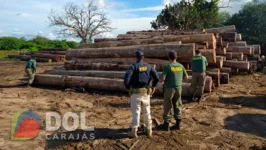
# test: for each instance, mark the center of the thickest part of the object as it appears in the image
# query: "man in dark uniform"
(137, 80)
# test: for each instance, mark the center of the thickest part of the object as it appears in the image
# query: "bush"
(13, 43)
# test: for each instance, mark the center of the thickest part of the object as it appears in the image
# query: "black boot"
(165, 126)
(177, 125)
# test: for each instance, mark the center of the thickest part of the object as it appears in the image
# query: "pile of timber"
(102, 65)
(43, 55)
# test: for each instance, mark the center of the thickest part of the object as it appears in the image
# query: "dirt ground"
(232, 117)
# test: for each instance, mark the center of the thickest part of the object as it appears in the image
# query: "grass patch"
(4, 53)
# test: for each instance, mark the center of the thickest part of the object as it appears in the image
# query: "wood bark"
(210, 54)
(238, 43)
(93, 83)
(208, 83)
(226, 70)
(237, 55)
(220, 51)
(52, 49)
(241, 65)
(54, 57)
(215, 77)
(230, 28)
(184, 51)
(245, 58)
(92, 65)
(52, 52)
(247, 50)
(257, 49)
(167, 32)
(219, 62)
(224, 78)
(212, 44)
(219, 41)
(225, 44)
(239, 37)
(99, 40)
(229, 56)
(229, 36)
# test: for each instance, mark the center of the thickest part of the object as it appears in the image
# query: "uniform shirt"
(198, 63)
(173, 73)
(131, 78)
(31, 64)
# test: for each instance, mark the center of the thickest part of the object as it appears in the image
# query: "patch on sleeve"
(176, 69)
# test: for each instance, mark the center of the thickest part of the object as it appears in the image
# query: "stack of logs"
(43, 55)
(102, 65)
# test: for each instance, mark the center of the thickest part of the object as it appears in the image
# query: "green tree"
(10, 43)
(251, 22)
(188, 15)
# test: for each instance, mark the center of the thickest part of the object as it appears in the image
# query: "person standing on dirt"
(137, 80)
(198, 64)
(172, 76)
(30, 70)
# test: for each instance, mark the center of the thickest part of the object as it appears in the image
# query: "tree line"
(13, 43)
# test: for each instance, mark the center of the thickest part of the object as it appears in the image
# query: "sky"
(29, 18)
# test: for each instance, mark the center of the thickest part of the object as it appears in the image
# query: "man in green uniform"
(31, 70)
(172, 76)
(198, 64)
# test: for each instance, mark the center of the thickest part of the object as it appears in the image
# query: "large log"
(184, 51)
(158, 62)
(92, 65)
(115, 74)
(247, 50)
(212, 44)
(219, 41)
(210, 54)
(239, 37)
(126, 43)
(215, 74)
(226, 70)
(257, 49)
(237, 55)
(53, 52)
(219, 62)
(230, 28)
(245, 58)
(200, 46)
(241, 65)
(225, 44)
(54, 57)
(229, 56)
(230, 36)
(224, 78)
(167, 32)
(238, 43)
(220, 51)
(92, 83)
(169, 38)
(98, 40)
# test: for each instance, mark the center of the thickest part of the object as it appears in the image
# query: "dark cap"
(139, 53)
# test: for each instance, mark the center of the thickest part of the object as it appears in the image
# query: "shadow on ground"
(247, 123)
(258, 102)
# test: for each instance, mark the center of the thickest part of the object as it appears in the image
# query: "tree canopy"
(13, 43)
(195, 14)
(251, 22)
(80, 21)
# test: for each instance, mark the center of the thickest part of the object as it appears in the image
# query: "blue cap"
(139, 53)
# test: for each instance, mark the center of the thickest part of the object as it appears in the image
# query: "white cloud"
(51, 36)
(101, 4)
(235, 6)
(17, 32)
(155, 8)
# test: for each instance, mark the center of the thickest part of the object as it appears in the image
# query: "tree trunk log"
(239, 37)
(93, 83)
(220, 51)
(210, 54)
(219, 62)
(208, 83)
(99, 40)
(237, 55)
(225, 44)
(247, 50)
(167, 32)
(245, 58)
(219, 41)
(184, 51)
(229, 36)
(224, 78)
(238, 43)
(52, 52)
(226, 70)
(50, 56)
(52, 49)
(229, 56)
(215, 77)
(230, 28)
(241, 65)
(257, 49)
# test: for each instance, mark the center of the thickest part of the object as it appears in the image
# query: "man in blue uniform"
(137, 80)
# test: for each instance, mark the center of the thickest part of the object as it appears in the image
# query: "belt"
(139, 91)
